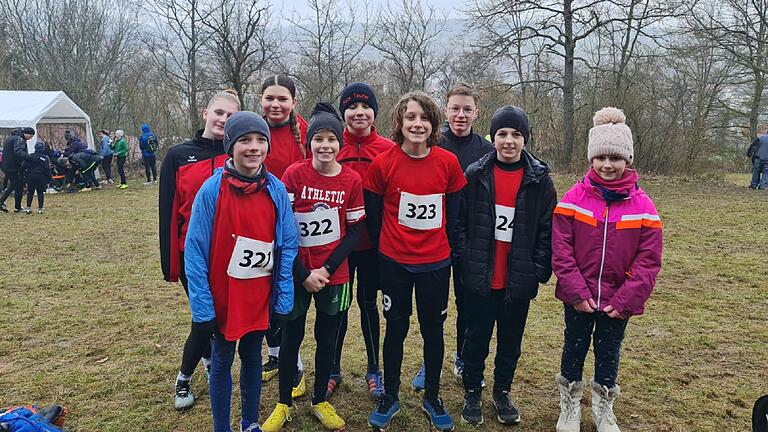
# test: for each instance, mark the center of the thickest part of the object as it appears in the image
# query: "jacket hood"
(18, 132)
(145, 129)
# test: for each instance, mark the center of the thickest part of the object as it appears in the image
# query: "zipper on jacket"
(359, 149)
(602, 256)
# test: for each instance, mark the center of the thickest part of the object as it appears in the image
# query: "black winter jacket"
(467, 149)
(530, 261)
(14, 151)
(38, 166)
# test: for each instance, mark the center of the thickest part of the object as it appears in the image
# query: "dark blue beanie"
(510, 117)
(241, 123)
(358, 92)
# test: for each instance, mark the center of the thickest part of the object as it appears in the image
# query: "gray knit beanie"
(610, 136)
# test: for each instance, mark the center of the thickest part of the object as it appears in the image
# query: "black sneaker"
(270, 368)
(506, 411)
(3, 208)
(472, 412)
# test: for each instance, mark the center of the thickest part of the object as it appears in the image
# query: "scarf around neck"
(242, 182)
(614, 190)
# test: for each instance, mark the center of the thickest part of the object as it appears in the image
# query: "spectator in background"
(148, 146)
(758, 152)
(106, 155)
(87, 162)
(14, 153)
(37, 174)
(74, 143)
(120, 146)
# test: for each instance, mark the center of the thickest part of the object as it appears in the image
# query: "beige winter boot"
(570, 404)
(602, 407)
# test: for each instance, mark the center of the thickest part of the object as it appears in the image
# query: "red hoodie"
(358, 152)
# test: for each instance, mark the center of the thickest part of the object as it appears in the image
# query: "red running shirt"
(324, 207)
(243, 228)
(413, 224)
(283, 148)
(506, 184)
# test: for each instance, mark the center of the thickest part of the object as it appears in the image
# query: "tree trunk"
(568, 84)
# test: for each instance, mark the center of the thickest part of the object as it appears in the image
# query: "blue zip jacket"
(105, 149)
(197, 248)
(146, 132)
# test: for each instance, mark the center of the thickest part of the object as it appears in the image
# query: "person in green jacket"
(120, 146)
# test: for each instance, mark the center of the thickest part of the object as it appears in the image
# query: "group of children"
(259, 215)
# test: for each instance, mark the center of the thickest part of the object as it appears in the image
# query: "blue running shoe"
(439, 418)
(375, 384)
(386, 409)
(419, 381)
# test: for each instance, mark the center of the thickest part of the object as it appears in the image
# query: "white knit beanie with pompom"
(610, 136)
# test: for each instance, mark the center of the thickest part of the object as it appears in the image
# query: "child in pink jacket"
(606, 253)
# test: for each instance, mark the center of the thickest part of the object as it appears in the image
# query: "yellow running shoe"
(299, 386)
(327, 416)
(280, 416)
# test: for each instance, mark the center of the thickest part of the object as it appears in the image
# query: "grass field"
(87, 321)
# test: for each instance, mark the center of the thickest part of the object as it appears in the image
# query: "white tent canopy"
(30, 108)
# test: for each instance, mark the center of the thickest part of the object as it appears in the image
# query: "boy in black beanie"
(507, 191)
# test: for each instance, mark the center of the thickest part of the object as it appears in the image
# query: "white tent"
(30, 108)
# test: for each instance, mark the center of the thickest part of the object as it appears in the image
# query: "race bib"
(251, 259)
(421, 212)
(505, 218)
(319, 227)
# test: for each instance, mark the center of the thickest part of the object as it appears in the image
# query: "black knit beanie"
(511, 117)
(325, 117)
(358, 92)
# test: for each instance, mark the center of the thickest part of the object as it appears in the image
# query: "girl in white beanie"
(606, 253)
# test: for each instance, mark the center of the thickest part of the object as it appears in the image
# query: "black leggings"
(15, 186)
(198, 344)
(150, 168)
(121, 168)
(366, 265)
(106, 165)
(36, 184)
(397, 287)
(326, 327)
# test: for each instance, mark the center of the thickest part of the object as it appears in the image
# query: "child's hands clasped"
(589, 306)
(315, 281)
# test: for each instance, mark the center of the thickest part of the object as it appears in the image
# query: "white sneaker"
(147, 183)
(184, 398)
(154, 182)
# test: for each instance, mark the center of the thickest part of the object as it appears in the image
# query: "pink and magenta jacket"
(608, 252)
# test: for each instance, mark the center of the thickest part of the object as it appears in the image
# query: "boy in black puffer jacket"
(38, 174)
(507, 191)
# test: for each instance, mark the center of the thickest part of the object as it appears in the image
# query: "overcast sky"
(448, 6)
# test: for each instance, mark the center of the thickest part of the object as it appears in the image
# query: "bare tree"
(740, 29)
(329, 44)
(559, 26)
(407, 40)
(242, 41)
(175, 46)
(79, 46)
